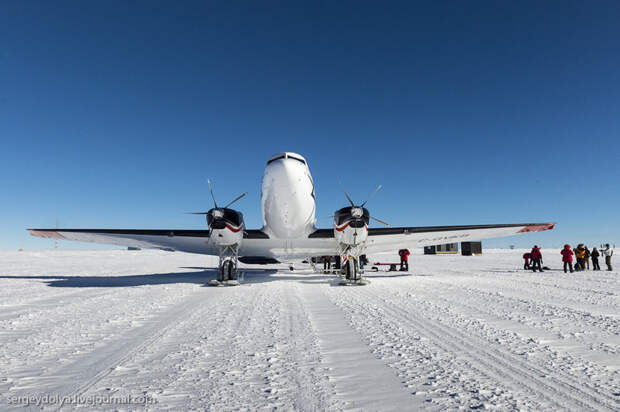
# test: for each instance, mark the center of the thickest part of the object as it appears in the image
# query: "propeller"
(380, 221)
(215, 202)
(347, 195)
(357, 211)
(237, 198)
(371, 195)
(211, 190)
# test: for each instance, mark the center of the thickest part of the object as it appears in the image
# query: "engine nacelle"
(226, 226)
(351, 225)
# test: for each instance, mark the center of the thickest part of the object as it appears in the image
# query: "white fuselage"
(288, 202)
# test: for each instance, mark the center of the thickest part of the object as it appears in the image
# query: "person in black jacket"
(327, 263)
(594, 255)
(363, 261)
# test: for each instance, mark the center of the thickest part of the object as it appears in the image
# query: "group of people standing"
(328, 260)
(583, 256)
(533, 259)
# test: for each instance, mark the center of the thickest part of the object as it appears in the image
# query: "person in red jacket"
(526, 258)
(404, 257)
(536, 258)
(567, 258)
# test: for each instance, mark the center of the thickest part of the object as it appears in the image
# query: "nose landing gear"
(227, 274)
(351, 273)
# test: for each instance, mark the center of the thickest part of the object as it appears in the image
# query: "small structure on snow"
(448, 248)
(471, 248)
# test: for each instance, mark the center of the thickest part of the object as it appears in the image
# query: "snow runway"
(458, 333)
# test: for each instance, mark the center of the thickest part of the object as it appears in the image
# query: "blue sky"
(114, 114)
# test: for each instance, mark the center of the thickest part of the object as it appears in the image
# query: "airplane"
(289, 233)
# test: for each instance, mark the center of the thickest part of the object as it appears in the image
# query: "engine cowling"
(226, 226)
(351, 225)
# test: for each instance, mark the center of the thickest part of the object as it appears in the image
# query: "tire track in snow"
(488, 357)
(533, 315)
(35, 348)
(523, 299)
(362, 380)
(148, 337)
(226, 369)
(194, 357)
(47, 304)
(310, 378)
(86, 371)
(273, 361)
(545, 291)
(560, 373)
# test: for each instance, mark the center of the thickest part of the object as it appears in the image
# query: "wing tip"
(45, 233)
(538, 227)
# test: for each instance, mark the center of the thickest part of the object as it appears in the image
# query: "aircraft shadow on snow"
(200, 277)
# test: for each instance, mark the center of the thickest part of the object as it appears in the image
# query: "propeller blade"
(212, 195)
(380, 221)
(347, 195)
(238, 197)
(371, 195)
(196, 213)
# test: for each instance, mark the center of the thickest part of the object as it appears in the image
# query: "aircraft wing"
(256, 246)
(191, 241)
(393, 238)
(259, 248)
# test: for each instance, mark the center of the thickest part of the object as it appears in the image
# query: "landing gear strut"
(227, 274)
(351, 273)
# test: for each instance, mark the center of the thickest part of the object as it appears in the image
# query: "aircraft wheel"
(351, 269)
(228, 270)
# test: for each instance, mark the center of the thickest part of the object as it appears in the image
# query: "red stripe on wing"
(537, 228)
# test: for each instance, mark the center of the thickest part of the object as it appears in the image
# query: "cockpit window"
(287, 157)
(275, 158)
(296, 158)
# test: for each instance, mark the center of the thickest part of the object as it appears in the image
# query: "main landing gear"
(351, 273)
(227, 274)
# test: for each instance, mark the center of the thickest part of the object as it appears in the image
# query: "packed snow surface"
(96, 329)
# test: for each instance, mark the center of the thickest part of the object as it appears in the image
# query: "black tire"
(352, 270)
(228, 270)
(231, 270)
(223, 272)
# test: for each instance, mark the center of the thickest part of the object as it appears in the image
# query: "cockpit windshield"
(286, 156)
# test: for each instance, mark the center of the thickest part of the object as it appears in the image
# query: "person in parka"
(608, 253)
(594, 255)
(536, 256)
(404, 259)
(526, 258)
(580, 254)
(567, 258)
(587, 258)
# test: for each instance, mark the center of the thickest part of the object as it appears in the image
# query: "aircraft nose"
(287, 197)
(285, 170)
